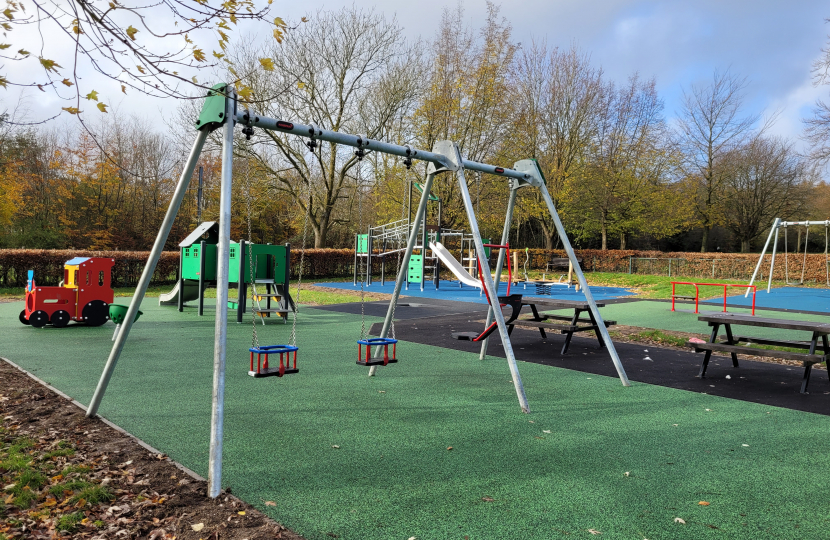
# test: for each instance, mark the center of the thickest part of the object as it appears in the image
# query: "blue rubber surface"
(449, 290)
(797, 298)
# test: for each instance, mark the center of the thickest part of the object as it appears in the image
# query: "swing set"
(779, 224)
(220, 111)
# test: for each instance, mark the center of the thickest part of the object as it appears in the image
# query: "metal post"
(221, 328)
(241, 284)
(202, 261)
(356, 247)
(488, 280)
(403, 272)
(199, 200)
(505, 236)
(584, 284)
(772, 262)
(180, 303)
(423, 252)
(773, 230)
(370, 248)
(147, 273)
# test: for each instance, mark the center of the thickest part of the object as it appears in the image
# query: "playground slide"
(453, 265)
(191, 292)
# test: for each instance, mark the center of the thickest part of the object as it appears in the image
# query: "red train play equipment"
(84, 295)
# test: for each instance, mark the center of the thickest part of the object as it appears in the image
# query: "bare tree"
(817, 129)
(350, 70)
(711, 126)
(151, 48)
(558, 97)
(765, 179)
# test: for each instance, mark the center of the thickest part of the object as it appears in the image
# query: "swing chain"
(360, 153)
(312, 145)
(254, 336)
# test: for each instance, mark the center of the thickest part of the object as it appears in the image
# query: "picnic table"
(567, 325)
(815, 354)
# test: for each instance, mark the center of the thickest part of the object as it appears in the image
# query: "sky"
(678, 42)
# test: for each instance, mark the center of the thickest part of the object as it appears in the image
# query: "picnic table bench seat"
(732, 345)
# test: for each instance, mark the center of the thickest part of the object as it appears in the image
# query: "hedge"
(48, 265)
(329, 263)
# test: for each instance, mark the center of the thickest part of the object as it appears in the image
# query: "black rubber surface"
(432, 322)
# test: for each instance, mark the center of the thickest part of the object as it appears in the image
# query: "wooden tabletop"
(749, 320)
(561, 304)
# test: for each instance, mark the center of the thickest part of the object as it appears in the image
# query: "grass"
(659, 287)
(653, 336)
(69, 522)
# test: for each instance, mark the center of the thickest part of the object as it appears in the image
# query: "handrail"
(724, 285)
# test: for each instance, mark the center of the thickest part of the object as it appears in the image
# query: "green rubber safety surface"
(592, 455)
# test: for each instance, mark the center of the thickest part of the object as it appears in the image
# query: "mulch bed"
(65, 476)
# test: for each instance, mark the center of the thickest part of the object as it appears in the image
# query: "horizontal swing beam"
(359, 141)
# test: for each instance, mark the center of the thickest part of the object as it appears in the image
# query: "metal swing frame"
(220, 106)
(777, 225)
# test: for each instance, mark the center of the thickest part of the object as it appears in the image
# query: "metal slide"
(191, 292)
(453, 265)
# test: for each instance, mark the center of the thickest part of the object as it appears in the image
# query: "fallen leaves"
(270, 503)
(703, 503)
(680, 520)
(449, 448)
(197, 527)
(594, 531)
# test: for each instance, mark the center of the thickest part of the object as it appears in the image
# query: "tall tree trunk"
(622, 240)
(604, 237)
(704, 242)
(744, 246)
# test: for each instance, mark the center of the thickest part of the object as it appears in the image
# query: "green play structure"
(197, 271)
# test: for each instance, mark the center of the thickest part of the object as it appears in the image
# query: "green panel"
(420, 188)
(270, 262)
(213, 110)
(362, 243)
(190, 262)
(415, 269)
(486, 250)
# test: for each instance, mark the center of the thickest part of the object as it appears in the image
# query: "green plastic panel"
(270, 262)
(415, 269)
(191, 264)
(213, 111)
(362, 243)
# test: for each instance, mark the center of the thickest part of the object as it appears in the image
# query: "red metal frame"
(386, 358)
(506, 248)
(263, 366)
(724, 285)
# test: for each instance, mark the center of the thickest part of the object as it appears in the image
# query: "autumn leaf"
(279, 22)
(245, 93)
(270, 503)
(241, 513)
(194, 80)
(131, 32)
(140, 69)
(703, 503)
(680, 520)
(123, 89)
(304, 19)
(8, 13)
(198, 527)
(5, 46)
(49, 65)
(594, 531)
(3, 82)
(71, 110)
(278, 35)
(267, 64)
(199, 55)
(23, 52)
(300, 85)
(92, 96)
(102, 107)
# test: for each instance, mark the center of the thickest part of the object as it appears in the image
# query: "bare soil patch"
(93, 481)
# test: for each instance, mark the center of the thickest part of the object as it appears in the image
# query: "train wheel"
(23, 318)
(59, 319)
(95, 313)
(38, 318)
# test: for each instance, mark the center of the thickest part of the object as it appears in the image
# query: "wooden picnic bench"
(732, 342)
(560, 262)
(570, 324)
